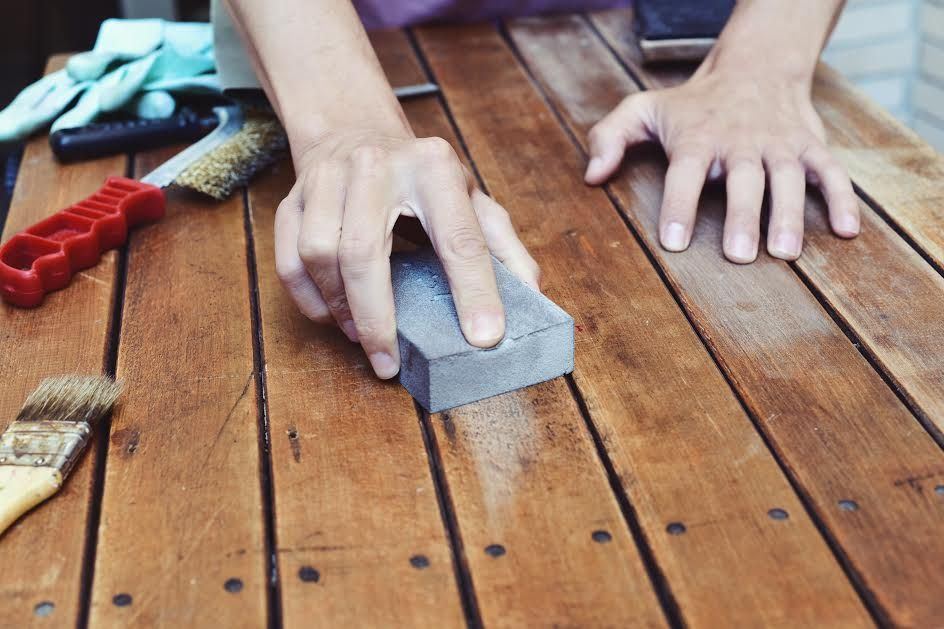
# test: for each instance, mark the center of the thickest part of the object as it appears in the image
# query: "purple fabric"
(395, 13)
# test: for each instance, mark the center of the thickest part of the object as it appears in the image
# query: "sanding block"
(679, 30)
(441, 369)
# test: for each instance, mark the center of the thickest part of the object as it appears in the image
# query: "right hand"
(334, 233)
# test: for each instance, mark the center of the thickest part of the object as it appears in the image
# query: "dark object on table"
(679, 30)
(126, 136)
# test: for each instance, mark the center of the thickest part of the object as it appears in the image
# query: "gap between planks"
(266, 483)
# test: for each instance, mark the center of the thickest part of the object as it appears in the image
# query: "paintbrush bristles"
(71, 399)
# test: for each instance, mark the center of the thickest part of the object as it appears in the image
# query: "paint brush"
(50, 432)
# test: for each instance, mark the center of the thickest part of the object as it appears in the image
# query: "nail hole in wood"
(778, 514)
(939, 490)
(675, 528)
(308, 574)
(601, 537)
(122, 600)
(419, 561)
(45, 608)
(848, 505)
(293, 434)
(495, 550)
(233, 585)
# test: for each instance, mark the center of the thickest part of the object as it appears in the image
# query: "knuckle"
(286, 206)
(784, 163)
(318, 315)
(291, 276)
(435, 149)
(356, 253)
(368, 156)
(695, 151)
(598, 132)
(315, 250)
(743, 158)
(464, 244)
(327, 171)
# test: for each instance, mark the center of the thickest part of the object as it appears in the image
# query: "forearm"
(318, 69)
(779, 39)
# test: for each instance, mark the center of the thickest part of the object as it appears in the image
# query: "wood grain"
(523, 474)
(892, 165)
(182, 511)
(682, 447)
(42, 555)
(880, 287)
(355, 499)
(842, 434)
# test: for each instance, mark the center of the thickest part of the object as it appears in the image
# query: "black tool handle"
(125, 136)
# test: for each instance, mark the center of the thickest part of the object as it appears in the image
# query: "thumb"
(623, 127)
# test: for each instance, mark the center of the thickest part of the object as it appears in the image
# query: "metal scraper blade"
(230, 122)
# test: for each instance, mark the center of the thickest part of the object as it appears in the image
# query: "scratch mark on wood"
(229, 416)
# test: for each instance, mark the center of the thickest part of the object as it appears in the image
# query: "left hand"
(753, 129)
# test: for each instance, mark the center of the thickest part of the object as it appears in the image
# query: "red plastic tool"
(44, 257)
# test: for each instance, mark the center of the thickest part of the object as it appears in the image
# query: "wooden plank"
(839, 431)
(523, 474)
(182, 514)
(42, 555)
(354, 498)
(681, 446)
(881, 287)
(892, 165)
(357, 511)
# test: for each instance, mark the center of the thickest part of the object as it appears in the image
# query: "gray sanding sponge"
(441, 369)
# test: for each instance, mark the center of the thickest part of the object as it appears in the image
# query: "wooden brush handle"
(22, 488)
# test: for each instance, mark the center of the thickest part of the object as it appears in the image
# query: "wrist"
(786, 66)
(774, 41)
(340, 140)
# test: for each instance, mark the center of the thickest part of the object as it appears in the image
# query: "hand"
(333, 236)
(740, 125)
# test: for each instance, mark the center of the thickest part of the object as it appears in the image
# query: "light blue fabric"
(131, 59)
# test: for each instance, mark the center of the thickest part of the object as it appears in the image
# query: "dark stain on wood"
(294, 444)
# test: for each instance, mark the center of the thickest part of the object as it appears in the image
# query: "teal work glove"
(135, 65)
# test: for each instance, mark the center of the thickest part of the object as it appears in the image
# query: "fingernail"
(673, 237)
(847, 225)
(786, 245)
(595, 164)
(350, 330)
(743, 248)
(384, 365)
(486, 329)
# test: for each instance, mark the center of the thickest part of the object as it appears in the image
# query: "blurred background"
(892, 49)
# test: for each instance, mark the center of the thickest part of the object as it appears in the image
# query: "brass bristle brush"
(41, 447)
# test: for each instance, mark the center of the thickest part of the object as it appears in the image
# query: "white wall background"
(894, 51)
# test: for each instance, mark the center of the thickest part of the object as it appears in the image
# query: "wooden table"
(739, 445)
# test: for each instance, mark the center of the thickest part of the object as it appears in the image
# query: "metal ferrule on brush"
(55, 444)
